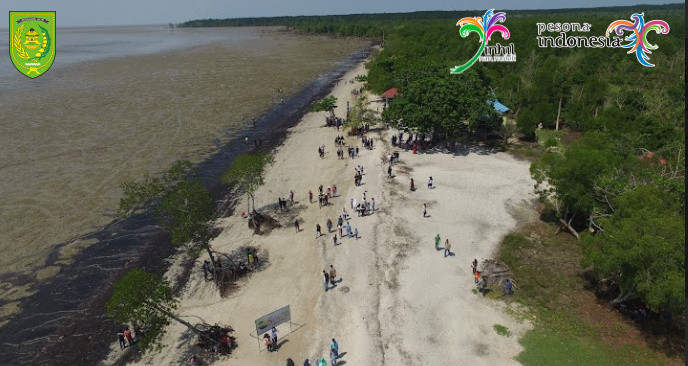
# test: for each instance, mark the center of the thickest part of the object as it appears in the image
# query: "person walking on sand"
(430, 183)
(290, 362)
(474, 265)
(326, 279)
(310, 196)
(334, 238)
(333, 274)
(268, 342)
(120, 338)
(389, 171)
(291, 197)
(334, 347)
(306, 362)
(372, 201)
(425, 210)
(329, 226)
(333, 358)
(413, 188)
(352, 203)
(348, 229)
(437, 242)
(356, 233)
(447, 248)
(339, 230)
(476, 276)
(334, 191)
(273, 334)
(206, 270)
(317, 231)
(296, 225)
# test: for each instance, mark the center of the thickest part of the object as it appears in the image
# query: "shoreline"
(397, 300)
(40, 336)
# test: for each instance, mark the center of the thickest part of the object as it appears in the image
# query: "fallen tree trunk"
(570, 228)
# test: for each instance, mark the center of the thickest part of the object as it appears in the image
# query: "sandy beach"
(399, 301)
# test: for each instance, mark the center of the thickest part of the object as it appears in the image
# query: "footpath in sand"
(400, 302)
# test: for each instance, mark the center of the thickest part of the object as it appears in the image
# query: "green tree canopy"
(361, 113)
(442, 104)
(144, 299)
(327, 104)
(248, 173)
(642, 248)
(180, 203)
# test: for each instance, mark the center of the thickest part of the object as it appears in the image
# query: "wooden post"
(558, 113)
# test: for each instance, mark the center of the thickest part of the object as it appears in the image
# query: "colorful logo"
(32, 41)
(637, 42)
(485, 27)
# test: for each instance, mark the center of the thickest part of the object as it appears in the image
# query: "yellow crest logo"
(32, 41)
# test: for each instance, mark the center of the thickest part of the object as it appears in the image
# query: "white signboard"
(265, 323)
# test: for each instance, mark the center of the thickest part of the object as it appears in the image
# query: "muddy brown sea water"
(68, 143)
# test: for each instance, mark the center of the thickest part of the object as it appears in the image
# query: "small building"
(390, 94)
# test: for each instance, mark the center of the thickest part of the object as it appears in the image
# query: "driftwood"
(216, 338)
(495, 273)
(235, 265)
(262, 223)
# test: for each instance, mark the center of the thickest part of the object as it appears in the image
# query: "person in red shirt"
(127, 335)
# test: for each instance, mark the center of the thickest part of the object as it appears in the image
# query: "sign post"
(277, 317)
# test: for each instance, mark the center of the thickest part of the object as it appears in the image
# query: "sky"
(126, 12)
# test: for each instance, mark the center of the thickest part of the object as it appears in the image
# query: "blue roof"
(499, 107)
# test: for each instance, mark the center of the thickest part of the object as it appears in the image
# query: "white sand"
(406, 304)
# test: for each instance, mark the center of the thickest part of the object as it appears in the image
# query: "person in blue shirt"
(508, 288)
(334, 347)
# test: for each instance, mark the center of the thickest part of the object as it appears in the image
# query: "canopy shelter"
(498, 107)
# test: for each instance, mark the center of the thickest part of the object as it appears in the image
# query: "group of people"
(364, 206)
(126, 338)
(367, 142)
(481, 281)
(341, 227)
(329, 278)
(358, 175)
(270, 340)
(447, 245)
(334, 355)
(282, 203)
(323, 199)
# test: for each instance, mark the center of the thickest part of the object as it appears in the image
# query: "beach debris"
(262, 223)
(215, 339)
(229, 267)
(494, 271)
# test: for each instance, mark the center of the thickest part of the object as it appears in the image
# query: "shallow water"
(97, 43)
(119, 104)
